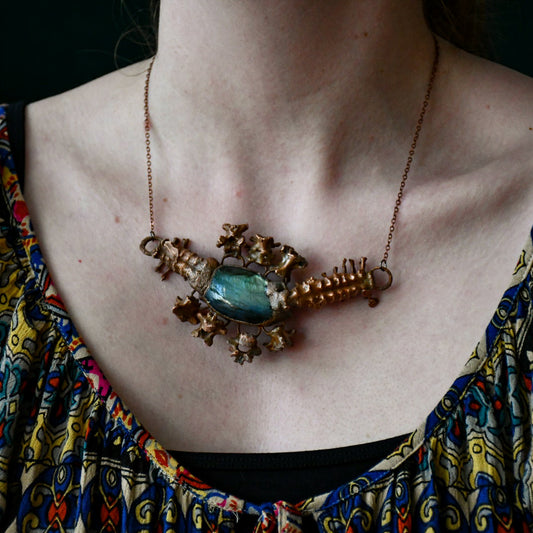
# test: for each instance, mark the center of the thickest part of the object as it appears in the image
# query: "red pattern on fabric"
(162, 457)
(20, 211)
(58, 510)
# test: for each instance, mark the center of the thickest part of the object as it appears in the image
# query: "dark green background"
(49, 47)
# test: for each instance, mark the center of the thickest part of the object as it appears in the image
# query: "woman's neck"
(299, 76)
(281, 52)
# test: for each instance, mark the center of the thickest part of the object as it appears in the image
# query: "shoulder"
(487, 108)
(482, 134)
(83, 122)
(84, 145)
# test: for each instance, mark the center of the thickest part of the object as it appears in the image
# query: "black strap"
(17, 139)
(291, 476)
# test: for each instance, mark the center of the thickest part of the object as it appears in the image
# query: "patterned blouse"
(74, 458)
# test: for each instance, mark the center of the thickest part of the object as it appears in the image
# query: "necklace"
(246, 304)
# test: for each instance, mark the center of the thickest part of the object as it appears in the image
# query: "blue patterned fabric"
(74, 458)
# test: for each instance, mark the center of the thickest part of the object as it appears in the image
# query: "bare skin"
(295, 117)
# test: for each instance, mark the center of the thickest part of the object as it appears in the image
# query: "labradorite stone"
(239, 294)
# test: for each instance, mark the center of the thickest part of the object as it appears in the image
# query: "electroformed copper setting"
(254, 302)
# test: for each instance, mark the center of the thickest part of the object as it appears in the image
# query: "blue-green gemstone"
(239, 294)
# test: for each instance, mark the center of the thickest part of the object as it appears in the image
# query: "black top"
(15, 128)
(291, 476)
(258, 477)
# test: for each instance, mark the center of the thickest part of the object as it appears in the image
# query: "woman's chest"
(355, 373)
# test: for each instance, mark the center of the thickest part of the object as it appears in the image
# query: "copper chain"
(148, 151)
(407, 168)
(405, 174)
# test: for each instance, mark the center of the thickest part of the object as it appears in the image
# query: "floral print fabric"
(74, 458)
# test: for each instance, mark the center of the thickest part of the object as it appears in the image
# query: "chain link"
(410, 158)
(148, 150)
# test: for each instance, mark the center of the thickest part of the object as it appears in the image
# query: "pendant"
(243, 303)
